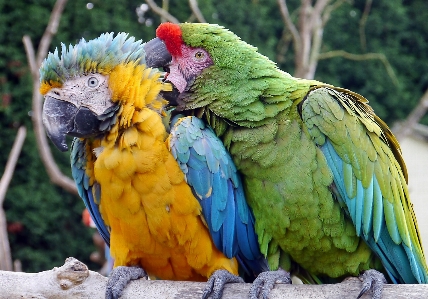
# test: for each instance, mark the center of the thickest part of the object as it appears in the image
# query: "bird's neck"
(247, 101)
(135, 89)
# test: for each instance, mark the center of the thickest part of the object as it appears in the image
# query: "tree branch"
(289, 24)
(329, 9)
(196, 11)
(74, 280)
(413, 118)
(319, 7)
(5, 256)
(50, 31)
(316, 25)
(363, 22)
(11, 162)
(161, 12)
(34, 61)
(360, 57)
(165, 6)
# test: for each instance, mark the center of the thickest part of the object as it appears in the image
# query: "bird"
(157, 220)
(323, 174)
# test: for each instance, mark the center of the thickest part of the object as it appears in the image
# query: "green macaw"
(323, 174)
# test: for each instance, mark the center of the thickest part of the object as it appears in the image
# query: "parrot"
(169, 207)
(322, 173)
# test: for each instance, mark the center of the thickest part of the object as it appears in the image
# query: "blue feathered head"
(99, 55)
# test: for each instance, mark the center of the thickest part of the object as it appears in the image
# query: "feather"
(230, 246)
(368, 209)
(214, 178)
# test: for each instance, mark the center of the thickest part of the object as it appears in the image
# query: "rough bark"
(74, 280)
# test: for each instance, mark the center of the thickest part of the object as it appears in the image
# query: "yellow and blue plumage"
(102, 93)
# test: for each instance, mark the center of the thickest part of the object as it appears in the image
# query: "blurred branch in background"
(308, 34)
(195, 9)
(406, 127)
(5, 255)
(165, 6)
(165, 15)
(360, 57)
(363, 22)
(34, 61)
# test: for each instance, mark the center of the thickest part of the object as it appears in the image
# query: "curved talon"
(374, 280)
(119, 279)
(265, 282)
(217, 281)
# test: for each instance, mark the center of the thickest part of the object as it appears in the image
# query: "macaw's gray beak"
(171, 96)
(62, 118)
(157, 55)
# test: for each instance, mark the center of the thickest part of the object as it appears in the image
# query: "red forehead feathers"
(171, 35)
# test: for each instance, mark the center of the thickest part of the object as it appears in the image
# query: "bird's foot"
(373, 280)
(265, 282)
(119, 279)
(216, 283)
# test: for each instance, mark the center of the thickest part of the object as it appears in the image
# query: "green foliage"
(51, 218)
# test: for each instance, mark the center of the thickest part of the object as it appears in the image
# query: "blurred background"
(376, 48)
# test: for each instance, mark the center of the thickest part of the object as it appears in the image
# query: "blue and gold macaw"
(169, 208)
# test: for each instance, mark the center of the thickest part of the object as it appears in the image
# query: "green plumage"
(286, 136)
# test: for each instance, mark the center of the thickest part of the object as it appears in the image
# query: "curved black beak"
(157, 55)
(171, 96)
(62, 118)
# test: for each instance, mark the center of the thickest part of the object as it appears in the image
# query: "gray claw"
(265, 282)
(119, 279)
(373, 280)
(216, 283)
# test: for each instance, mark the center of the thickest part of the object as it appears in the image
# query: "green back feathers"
(99, 55)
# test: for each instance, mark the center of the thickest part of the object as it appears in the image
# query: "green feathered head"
(99, 55)
(226, 49)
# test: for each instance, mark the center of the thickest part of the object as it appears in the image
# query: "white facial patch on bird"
(190, 64)
(90, 91)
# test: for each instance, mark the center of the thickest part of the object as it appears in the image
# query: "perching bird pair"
(321, 172)
(172, 209)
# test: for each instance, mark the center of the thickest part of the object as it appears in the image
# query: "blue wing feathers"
(377, 210)
(383, 239)
(359, 204)
(213, 176)
(254, 244)
(230, 246)
(368, 208)
(96, 216)
(390, 221)
(87, 192)
(243, 210)
(222, 190)
(183, 156)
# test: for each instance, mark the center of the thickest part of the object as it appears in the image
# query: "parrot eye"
(92, 82)
(199, 55)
